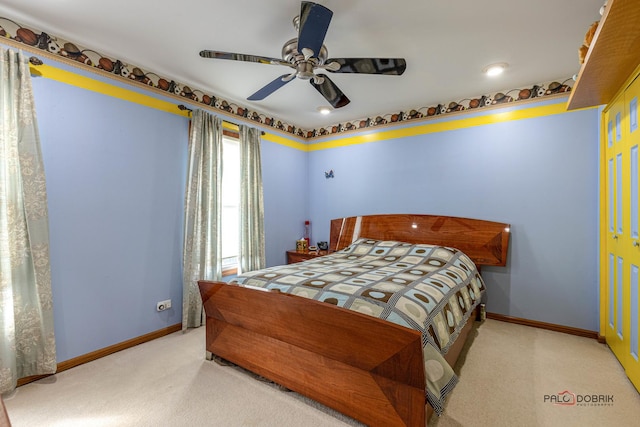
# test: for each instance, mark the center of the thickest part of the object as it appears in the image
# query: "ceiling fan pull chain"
(289, 77)
(308, 53)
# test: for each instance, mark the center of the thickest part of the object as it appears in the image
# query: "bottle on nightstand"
(307, 232)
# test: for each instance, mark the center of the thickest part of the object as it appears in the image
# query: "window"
(230, 203)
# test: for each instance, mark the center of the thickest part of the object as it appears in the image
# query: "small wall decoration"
(329, 174)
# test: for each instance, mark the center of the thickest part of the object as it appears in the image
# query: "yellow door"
(630, 292)
(622, 172)
(615, 223)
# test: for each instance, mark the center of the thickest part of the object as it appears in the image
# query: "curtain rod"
(185, 108)
(35, 61)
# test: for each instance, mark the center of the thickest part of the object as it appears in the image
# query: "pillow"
(365, 246)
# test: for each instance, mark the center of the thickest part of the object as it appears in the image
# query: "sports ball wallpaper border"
(91, 59)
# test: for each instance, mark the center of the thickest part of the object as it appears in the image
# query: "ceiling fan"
(307, 53)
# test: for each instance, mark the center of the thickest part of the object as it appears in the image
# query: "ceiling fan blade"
(242, 57)
(389, 66)
(330, 91)
(270, 88)
(314, 22)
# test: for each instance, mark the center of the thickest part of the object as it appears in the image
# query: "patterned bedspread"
(432, 289)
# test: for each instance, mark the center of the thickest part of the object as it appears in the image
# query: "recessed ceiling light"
(324, 110)
(495, 69)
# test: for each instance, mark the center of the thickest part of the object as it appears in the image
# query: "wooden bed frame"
(364, 367)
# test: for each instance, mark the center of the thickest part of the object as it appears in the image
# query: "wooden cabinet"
(612, 58)
(295, 256)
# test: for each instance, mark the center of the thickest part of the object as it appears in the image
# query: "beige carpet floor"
(506, 372)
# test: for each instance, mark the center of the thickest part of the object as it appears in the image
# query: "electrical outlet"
(163, 305)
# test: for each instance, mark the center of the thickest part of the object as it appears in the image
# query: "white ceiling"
(446, 45)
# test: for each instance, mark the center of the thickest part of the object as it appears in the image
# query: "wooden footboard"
(361, 366)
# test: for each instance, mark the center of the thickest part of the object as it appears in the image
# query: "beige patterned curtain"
(27, 343)
(202, 220)
(252, 252)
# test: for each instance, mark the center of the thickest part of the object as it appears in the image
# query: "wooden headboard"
(485, 242)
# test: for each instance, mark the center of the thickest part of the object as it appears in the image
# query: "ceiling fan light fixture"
(307, 54)
(324, 110)
(495, 69)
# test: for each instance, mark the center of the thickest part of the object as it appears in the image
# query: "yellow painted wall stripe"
(602, 206)
(108, 89)
(371, 135)
(271, 137)
(231, 126)
(94, 85)
(500, 117)
(285, 141)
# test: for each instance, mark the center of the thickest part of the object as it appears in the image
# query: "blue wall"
(115, 180)
(115, 177)
(284, 178)
(540, 175)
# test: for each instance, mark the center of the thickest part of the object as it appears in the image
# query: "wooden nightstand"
(295, 256)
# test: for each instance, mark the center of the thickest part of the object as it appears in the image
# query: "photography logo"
(567, 398)
(564, 398)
